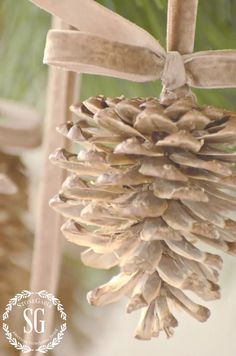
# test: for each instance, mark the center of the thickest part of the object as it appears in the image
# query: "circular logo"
(25, 321)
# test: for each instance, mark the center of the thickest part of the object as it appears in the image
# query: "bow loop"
(84, 52)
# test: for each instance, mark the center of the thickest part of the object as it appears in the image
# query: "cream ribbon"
(108, 44)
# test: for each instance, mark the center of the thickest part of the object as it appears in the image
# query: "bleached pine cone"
(15, 237)
(16, 249)
(151, 181)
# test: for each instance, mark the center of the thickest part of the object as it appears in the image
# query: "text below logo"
(33, 332)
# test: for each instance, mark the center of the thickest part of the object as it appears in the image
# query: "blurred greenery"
(23, 29)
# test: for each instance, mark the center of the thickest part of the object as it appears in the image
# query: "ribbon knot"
(174, 74)
(108, 44)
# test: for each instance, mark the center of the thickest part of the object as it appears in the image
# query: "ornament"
(154, 177)
(151, 181)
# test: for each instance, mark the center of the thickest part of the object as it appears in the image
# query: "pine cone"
(16, 238)
(16, 249)
(152, 180)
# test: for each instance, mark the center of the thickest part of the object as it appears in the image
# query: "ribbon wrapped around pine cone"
(155, 178)
(151, 181)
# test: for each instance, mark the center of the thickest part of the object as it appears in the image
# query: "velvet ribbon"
(105, 43)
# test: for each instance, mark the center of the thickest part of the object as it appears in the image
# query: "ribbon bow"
(108, 44)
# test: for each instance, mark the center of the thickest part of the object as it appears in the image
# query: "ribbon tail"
(211, 69)
(89, 16)
(87, 53)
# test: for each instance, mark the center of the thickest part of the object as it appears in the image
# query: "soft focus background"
(23, 77)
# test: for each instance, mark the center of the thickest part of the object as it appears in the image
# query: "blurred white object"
(19, 125)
